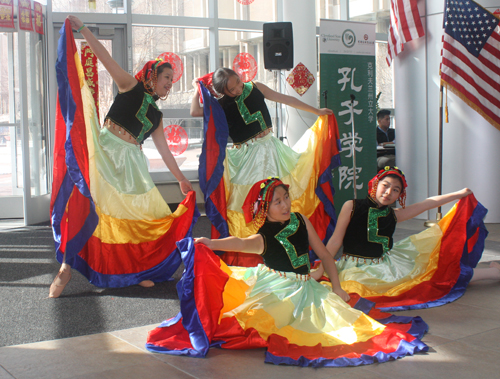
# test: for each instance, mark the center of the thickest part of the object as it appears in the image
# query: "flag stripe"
(454, 58)
(473, 84)
(406, 26)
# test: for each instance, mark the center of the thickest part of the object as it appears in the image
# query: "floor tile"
(4, 374)
(487, 340)
(153, 369)
(455, 360)
(246, 364)
(135, 336)
(69, 357)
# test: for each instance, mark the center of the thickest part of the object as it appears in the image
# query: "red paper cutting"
(300, 79)
(6, 14)
(246, 66)
(177, 139)
(38, 17)
(24, 12)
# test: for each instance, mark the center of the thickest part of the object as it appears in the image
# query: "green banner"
(347, 78)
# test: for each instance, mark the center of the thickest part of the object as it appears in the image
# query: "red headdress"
(207, 82)
(387, 170)
(149, 73)
(258, 199)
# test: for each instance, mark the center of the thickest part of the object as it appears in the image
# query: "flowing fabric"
(226, 175)
(425, 270)
(299, 321)
(107, 214)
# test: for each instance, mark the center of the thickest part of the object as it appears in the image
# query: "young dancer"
(258, 154)
(136, 231)
(429, 269)
(276, 304)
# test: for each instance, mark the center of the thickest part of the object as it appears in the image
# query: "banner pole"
(439, 215)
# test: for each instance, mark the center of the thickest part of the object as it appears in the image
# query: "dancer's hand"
(464, 192)
(185, 186)
(324, 112)
(204, 241)
(75, 22)
(343, 295)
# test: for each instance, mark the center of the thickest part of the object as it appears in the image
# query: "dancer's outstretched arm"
(253, 244)
(413, 210)
(122, 78)
(291, 101)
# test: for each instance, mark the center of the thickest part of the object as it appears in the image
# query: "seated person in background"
(385, 135)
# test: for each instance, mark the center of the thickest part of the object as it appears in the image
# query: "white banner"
(346, 37)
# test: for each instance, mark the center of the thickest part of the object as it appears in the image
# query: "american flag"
(470, 65)
(405, 26)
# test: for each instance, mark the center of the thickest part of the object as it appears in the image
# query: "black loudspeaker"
(278, 46)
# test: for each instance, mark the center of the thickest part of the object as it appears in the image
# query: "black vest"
(247, 115)
(136, 112)
(286, 245)
(369, 233)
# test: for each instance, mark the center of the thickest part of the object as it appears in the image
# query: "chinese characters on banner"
(347, 71)
(89, 64)
(6, 13)
(24, 13)
(38, 17)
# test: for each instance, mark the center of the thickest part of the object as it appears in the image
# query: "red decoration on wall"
(300, 79)
(177, 139)
(246, 2)
(246, 66)
(89, 64)
(24, 14)
(38, 17)
(6, 13)
(176, 63)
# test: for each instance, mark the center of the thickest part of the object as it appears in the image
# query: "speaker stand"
(279, 106)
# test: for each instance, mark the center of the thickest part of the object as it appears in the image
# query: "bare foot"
(147, 283)
(495, 265)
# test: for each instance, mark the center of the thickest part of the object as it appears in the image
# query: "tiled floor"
(463, 340)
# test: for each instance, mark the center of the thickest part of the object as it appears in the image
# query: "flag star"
(477, 36)
(482, 29)
(484, 35)
(468, 43)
